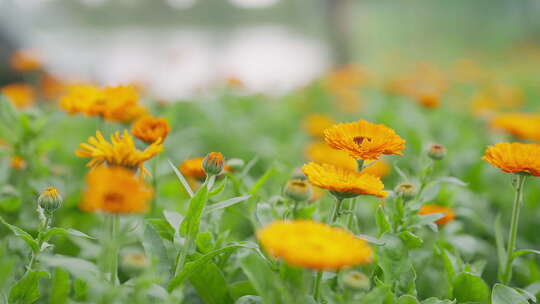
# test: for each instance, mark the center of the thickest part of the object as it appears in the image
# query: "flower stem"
(317, 286)
(336, 212)
(507, 272)
(112, 248)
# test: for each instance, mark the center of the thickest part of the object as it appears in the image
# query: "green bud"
(356, 280)
(213, 163)
(50, 200)
(298, 190)
(436, 152)
(406, 191)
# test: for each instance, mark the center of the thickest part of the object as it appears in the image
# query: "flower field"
(416, 184)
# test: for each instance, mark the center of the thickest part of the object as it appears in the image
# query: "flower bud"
(49, 200)
(436, 151)
(135, 261)
(406, 191)
(298, 190)
(356, 280)
(235, 164)
(298, 174)
(213, 163)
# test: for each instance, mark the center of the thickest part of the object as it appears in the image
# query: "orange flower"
(25, 60)
(18, 163)
(115, 190)
(121, 151)
(149, 129)
(19, 94)
(520, 125)
(52, 87)
(82, 99)
(305, 243)
(343, 182)
(315, 124)
(364, 140)
(514, 157)
(430, 209)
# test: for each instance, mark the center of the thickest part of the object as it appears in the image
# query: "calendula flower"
(322, 153)
(149, 129)
(343, 182)
(50, 199)
(25, 61)
(19, 94)
(315, 124)
(121, 151)
(193, 167)
(52, 87)
(430, 209)
(18, 163)
(234, 83)
(314, 245)
(364, 140)
(520, 125)
(344, 84)
(115, 190)
(83, 99)
(514, 157)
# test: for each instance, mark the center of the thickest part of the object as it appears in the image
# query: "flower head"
(82, 99)
(18, 163)
(364, 140)
(121, 151)
(314, 245)
(19, 94)
(514, 157)
(315, 124)
(115, 190)
(50, 200)
(520, 125)
(149, 129)
(25, 60)
(430, 209)
(343, 182)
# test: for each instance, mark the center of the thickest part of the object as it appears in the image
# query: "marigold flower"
(364, 140)
(314, 245)
(115, 190)
(25, 61)
(520, 125)
(19, 94)
(315, 124)
(430, 209)
(18, 163)
(149, 129)
(121, 151)
(343, 182)
(514, 157)
(82, 99)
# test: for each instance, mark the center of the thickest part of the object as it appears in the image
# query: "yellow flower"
(343, 182)
(19, 94)
(520, 125)
(18, 163)
(309, 244)
(115, 190)
(315, 124)
(514, 157)
(149, 129)
(25, 60)
(449, 214)
(82, 99)
(321, 152)
(121, 151)
(364, 140)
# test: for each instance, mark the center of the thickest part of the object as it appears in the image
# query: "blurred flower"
(25, 61)
(315, 124)
(121, 151)
(430, 209)
(234, 83)
(317, 194)
(135, 261)
(51, 87)
(495, 98)
(436, 151)
(82, 99)
(356, 280)
(520, 125)
(309, 244)
(344, 84)
(342, 182)
(514, 157)
(115, 190)
(406, 190)
(298, 190)
(149, 129)
(19, 94)
(18, 163)
(50, 199)
(213, 163)
(364, 140)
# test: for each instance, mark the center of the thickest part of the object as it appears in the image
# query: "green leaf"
(191, 222)
(370, 239)
(66, 232)
(452, 180)
(227, 203)
(379, 295)
(411, 240)
(242, 288)
(163, 228)
(262, 278)
(210, 284)
(526, 251)
(173, 218)
(25, 236)
(205, 242)
(407, 299)
(154, 247)
(26, 290)
(422, 220)
(260, 182)
(437, 301)
(382, 221)
(181, 178)
(79, 268)
(60, 287)
(217, 190)
(505, 295)
(468, 287)
(80, 290)
(249, 300)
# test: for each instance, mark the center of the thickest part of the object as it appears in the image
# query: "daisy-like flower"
(315, 124)
(82, 99)
(149, 129)
(449, 214)
(514, 157)
(115, 190)
(342, 182)
(364, 140)
(121, 151)
(19, 94)
(520, 125)
(309, 244)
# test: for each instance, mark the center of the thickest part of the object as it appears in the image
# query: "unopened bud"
(406, 191)
(135, 261)
(298, 190)
(356, 280)
(213, 163)
(298, 174)
(436, 151)
(49, 200)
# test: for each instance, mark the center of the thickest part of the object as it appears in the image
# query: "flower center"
(359, 140)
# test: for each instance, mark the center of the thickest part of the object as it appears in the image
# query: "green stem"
(317, 286)
(336, 212)
(507, 273)
(112, 248)
(154, 207)
(295, 209)
(360, 163)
